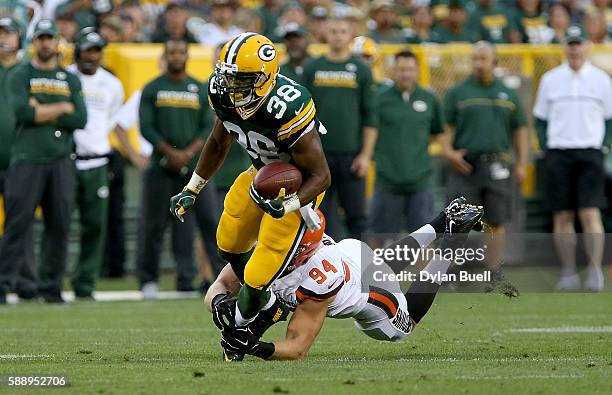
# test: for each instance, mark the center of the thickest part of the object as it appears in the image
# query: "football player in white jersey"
(329, 279)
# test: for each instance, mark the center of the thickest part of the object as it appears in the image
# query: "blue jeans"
(396, 212)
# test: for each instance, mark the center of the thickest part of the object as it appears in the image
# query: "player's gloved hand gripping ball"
(274, 188)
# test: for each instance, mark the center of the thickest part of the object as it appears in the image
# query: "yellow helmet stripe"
(234, 47)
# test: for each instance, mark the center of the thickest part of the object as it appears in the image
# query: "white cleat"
(569, 282)
(150, 291)
(595, 279)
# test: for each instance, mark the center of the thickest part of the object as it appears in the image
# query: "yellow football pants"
(243, 223)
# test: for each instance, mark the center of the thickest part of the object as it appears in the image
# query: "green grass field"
(465, 345)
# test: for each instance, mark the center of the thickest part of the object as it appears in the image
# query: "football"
(271, 178)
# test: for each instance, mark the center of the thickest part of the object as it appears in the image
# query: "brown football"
(272, 177)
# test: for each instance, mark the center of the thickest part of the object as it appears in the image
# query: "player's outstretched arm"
(226, 283)
(309, 157)
(303, 328)
(211, 158)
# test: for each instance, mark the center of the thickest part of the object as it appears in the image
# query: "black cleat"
(229, 356)
(266, 318)
(462, 217)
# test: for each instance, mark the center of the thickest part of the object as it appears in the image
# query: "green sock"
(238, 261)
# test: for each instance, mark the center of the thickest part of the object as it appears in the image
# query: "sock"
(420, 238)
(250, 302)
(425, 235)
(421, 294)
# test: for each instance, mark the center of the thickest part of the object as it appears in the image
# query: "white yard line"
(114, 296)
(565, 329)
(522, 377)
(12, 357)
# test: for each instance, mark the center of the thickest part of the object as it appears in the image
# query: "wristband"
(263, 350)
(291, 204)
(196, 183)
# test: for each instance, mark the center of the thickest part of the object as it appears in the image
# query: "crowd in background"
(211, 22)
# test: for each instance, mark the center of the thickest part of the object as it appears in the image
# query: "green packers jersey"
(268, 135)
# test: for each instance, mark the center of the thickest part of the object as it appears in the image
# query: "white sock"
(437, 266)
(240, 320)
(425, 235)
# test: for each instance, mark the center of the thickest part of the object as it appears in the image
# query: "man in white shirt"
(221, 28)
(103, 97)
(573, 110)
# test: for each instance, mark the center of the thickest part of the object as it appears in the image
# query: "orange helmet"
(309, 243)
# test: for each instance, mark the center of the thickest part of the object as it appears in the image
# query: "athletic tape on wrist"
(292, 204)
(196, 183)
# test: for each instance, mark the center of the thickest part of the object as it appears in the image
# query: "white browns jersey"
(331, 271)
(336, 270)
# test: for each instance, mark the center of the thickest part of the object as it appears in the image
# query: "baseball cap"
(319, 12)
(45, 27)
(10, 24)
(90, 39)
(574, 34)
(380, 4)
(293, 29)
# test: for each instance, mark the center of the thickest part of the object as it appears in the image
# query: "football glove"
(223, 312)
(240, 341)
(179, 204)
(275, 207)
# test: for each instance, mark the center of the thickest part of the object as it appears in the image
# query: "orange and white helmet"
(309, 243)
(366, 49)
(247, 69)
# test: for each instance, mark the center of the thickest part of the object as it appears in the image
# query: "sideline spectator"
(175, 119)
(221, 28)
(317, 25)
(296, 45)
(343, 91)
(455, 28)
(596, 28)
(409, 116)
(10, 42)
(421, 26)
(173, 26)
(531, 22)
(67, 26)
(49, 106)
(485, 120)
(111, 29)
(576, 12)
(270, 11)
(559, 21)
(573, 109)
(385, 30)
(103, 95)
(493, 22)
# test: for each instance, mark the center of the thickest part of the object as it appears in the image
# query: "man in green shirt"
(493, 22)
(175, 119)
(455, 28)
(408, 117)
(296, 45)
(343, 90)
(485, 120)
(10, 42)
(48, 105)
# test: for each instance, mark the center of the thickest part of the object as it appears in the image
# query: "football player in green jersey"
(274, 119)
